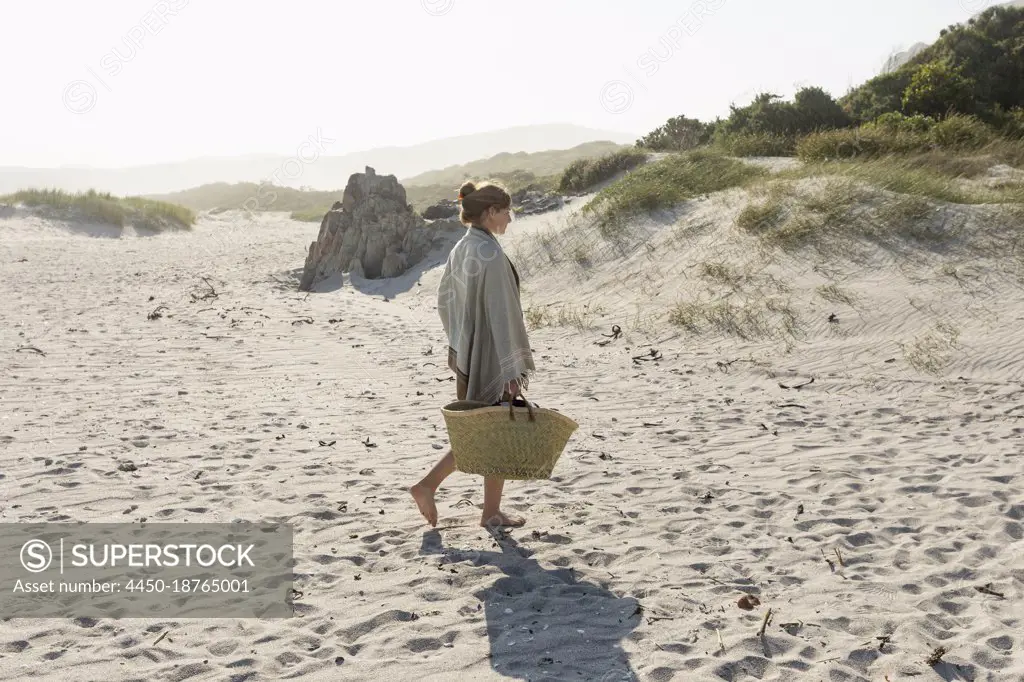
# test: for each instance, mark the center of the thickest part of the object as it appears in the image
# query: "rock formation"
(372, 232)
(531, 201)
(446, 208)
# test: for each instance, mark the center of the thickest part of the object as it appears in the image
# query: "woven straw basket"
(518, 443)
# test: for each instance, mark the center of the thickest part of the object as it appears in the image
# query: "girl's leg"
(423, 492)
(493, 516)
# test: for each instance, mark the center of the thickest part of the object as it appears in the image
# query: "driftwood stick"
(764, 623)
(212, 293)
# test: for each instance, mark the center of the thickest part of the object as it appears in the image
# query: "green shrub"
(811, 109)
(1011, 123)
(817, 110)
(880, 95)
(937, 88)
(896, 134)
(973, 68)
(863, 142)
(961, 132)
(896, 122)
(678, 134)
(755, 144)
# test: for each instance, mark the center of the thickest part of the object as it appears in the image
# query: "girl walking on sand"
(488, 348)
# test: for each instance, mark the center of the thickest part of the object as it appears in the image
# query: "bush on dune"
(678, 134)
(769, 126)
(756, 144)
(894, 133)
(583, 174)
(973, 68)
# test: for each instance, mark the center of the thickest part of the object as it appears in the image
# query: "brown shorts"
(462, 386)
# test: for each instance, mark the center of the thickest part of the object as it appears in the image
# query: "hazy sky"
(124, 82)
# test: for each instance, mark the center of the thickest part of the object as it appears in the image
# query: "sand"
(855, 495)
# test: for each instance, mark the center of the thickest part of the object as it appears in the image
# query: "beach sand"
(862, 500)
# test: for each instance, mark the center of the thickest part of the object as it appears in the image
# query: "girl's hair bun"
(475, 200)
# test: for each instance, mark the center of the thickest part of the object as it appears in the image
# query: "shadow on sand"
(545, 623)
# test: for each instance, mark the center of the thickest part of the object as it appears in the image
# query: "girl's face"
(496, 220)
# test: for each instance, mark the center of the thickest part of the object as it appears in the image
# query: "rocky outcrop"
(532, 201)
(446, 208)
(372, 232)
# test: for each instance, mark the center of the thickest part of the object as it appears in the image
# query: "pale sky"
(126, 82)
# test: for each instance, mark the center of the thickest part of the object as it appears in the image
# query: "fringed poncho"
(478, 301)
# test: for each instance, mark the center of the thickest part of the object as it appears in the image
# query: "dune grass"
(887, 199)
(581, 317)
(582, 174)
(833, 293)
(838, 209)
(749, 320)
(932, 351)
(140, 212)
(664, 184)
(940, 176)
(723, 273)
(762, 217)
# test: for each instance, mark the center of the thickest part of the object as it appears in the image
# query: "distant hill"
(515, 170)
(326, 173)
(248, 195)
(551, 162)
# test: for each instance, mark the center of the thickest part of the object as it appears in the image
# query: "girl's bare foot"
(501, 519)
(425, 501)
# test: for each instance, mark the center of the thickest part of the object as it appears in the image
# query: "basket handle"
(511, 402)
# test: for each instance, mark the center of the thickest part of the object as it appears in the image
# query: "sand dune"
(869, 503)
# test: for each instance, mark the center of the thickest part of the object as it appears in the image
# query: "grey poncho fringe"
(478, 300)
